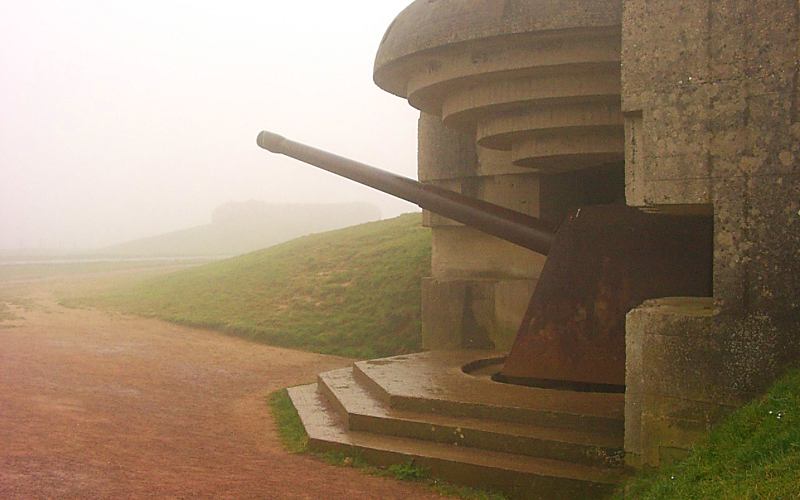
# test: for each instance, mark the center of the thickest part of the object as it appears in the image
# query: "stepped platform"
(465, 428)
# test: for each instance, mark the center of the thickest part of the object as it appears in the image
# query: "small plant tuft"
(408, 472)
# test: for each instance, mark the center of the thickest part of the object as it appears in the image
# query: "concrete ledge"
(518, 476)
(424, 409)
(688, 365)
(433, 382)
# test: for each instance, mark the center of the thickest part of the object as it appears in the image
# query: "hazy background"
(120, 120)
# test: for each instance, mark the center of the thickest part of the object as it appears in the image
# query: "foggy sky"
(120, 120)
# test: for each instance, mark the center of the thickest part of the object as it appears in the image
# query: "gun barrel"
(507, 224)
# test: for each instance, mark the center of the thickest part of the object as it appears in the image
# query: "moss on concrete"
(754, 453)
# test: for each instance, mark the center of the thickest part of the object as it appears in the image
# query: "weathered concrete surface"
(457, 313)
(428, 25)
(444, 153)
(688, 365)
(364, 412)
(473, 313)
(530, 443)
(434, 382)
(712, 93)
(459, 307)
(538, 79)
(507, 90)
(463, 252)
(712, 119)
(711, 127)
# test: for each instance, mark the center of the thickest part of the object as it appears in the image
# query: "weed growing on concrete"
(408, 472)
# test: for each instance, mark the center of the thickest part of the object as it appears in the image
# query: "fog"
(120, 120)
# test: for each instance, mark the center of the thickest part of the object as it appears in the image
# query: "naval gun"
(602, 261)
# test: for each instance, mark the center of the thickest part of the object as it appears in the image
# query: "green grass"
(295, 439)
(408, 472)
(753, 454)
(352, 292)
(290, 429)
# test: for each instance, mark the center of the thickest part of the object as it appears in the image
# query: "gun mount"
(603, 260)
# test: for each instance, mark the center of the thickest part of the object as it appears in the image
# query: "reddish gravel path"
(99, 405)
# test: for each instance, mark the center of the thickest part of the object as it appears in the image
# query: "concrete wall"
(712, 119)
(516, 99)
(480, 285)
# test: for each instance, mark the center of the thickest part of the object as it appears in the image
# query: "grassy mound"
(352, 292)
(755, 453)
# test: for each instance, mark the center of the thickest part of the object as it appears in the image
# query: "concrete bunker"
(586, 114)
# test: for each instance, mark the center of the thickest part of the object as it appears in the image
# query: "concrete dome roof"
(431, 24)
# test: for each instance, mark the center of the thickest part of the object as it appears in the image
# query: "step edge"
(352, 436)
(531, 446)
(417, 455)
(343, 401)
(521, 415)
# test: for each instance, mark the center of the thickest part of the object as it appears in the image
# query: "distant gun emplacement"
(603, 260)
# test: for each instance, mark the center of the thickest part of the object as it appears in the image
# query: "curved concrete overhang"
(430, 24)
(538, 78)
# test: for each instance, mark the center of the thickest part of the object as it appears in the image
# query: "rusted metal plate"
(605, 260)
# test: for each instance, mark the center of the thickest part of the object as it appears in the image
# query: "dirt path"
(100, 405)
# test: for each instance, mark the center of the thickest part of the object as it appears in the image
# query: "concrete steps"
(362, 412)
(434, 382)
(454, 424)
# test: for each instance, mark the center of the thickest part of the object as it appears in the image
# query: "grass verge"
(353, 292)
(754, 453)
(295, 439)
(290, 428)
